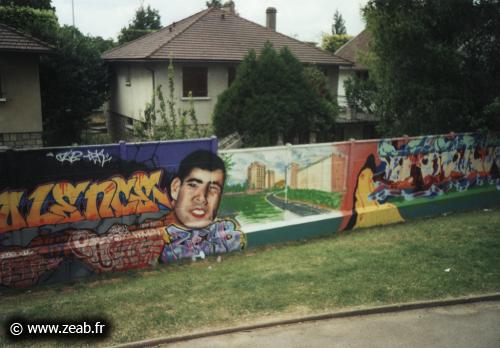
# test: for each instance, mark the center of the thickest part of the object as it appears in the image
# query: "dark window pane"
(194, 80)
(1, 89)
(363, 75)
(231, 75)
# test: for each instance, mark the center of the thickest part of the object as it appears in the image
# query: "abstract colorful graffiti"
(401, 172)
(112, 208)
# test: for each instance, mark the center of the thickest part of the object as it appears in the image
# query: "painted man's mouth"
(198, 213)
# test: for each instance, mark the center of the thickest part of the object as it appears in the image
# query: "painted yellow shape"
(372, 213)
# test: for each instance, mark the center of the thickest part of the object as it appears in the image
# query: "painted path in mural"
(297, 208)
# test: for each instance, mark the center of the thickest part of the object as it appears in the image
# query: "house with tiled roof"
(20, 103)
(205, 49)
(353, 123)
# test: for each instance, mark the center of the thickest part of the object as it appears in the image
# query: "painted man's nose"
(201, 197)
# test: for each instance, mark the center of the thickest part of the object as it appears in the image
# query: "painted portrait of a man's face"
(196, 197)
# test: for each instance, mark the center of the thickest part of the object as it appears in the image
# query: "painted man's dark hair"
(202, 159)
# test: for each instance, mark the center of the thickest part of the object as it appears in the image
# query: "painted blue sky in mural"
(276, 159)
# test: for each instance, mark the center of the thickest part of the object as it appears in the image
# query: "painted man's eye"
(214, 189)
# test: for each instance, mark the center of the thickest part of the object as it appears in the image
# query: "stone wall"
(21, 140)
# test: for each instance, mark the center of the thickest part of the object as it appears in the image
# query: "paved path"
(296, 208)
(474, 325)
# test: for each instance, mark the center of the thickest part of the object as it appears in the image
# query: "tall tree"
(332, 42)
(214, 3)
(338, 27)
(38, 4)
(73, 85)
(435, 63)
(270, 96)
(42, 24)
(146, 20)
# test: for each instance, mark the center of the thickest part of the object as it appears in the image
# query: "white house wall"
(217, 76)
(130, 100)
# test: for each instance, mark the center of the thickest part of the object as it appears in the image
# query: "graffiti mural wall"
(397, 179)
(360, 183)
(72, 212)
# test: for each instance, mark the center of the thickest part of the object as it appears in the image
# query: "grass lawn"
(399, 263)
(250, 208)
(330, 200)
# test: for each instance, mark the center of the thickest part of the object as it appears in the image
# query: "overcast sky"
(304, 20)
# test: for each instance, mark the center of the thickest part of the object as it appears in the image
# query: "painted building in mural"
(294, 175)
(256, 176)
(326, 174)
(270, 179)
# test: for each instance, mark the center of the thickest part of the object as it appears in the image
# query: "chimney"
(229, 7)
(271, 18)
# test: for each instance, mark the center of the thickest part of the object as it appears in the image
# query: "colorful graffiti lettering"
(118, 250)
(63, 202)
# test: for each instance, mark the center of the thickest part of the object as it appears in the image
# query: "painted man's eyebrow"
(198, 181)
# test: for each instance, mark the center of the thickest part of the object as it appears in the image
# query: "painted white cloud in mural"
(276, 159)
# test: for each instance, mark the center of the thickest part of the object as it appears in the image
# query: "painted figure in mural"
(192, 229)
(368, 211)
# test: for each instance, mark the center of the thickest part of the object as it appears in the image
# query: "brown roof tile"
(12, 40)
(352, 49)
(215, 35)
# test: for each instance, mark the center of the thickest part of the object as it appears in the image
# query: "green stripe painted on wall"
(300, 231)
(422, 207)
(469, 200)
